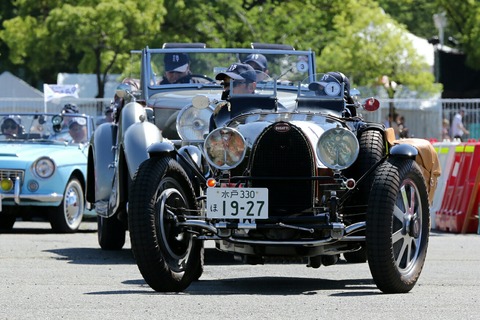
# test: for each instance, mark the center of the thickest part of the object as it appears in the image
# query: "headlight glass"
(337, 148)
(44, 167)
(225, 148)
(193, 123)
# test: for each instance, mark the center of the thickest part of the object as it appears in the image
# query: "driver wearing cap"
(177, 68)
(78, 129)
(244, 80)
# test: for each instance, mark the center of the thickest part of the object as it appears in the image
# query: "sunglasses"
(10, 127)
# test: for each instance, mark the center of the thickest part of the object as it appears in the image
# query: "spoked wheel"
(397, 226)
(168, 255)
(68, 215)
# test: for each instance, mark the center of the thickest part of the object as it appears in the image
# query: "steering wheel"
(202, 78)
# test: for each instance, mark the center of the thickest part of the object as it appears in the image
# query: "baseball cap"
(176, 62)
(258, 59)
(78, 120)
(239, 71)
(13, 118)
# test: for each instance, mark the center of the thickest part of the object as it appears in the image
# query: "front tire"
(7, 219)
(397, 225)
(66, 218)
(167, 255)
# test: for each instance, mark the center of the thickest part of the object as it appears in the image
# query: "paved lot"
(53, 276)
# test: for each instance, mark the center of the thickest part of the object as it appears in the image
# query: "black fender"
(406, 151)
(101, 157)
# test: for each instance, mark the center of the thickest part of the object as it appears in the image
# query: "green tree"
(463, 19)
(370, 45)
(94, 35)
(415, 15)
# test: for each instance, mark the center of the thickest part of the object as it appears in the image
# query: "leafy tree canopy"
(95, 36)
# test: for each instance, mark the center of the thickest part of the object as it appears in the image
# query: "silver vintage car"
(149, 109)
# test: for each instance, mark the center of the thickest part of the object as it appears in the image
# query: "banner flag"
(55, 91)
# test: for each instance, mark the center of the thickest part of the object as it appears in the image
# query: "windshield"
(187, 66)
(45, 127)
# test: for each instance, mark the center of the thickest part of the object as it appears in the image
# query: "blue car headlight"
(44, 167)
(338, 148)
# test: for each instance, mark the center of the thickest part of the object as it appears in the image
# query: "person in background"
(11, 126)
(402, 128)
(458, 130)
(108, 115)
(70, 108)
(177, 68)
(446, 129)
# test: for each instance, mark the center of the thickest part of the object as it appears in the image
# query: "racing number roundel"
(332, 89)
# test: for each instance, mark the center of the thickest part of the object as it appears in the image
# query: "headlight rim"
(36, 170)
(182, 112)
(336, 166)
(241, 157)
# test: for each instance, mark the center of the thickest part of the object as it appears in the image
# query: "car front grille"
(283, 153)
(12, 175)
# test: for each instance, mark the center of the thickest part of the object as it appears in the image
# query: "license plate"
(237, 203)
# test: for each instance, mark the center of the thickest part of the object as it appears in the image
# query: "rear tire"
(167, 255)
(111, 233)
(398, 223)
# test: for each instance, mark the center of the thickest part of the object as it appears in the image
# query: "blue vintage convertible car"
(43, 160)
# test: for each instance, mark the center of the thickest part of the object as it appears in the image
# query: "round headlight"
(193, 123)
(44, 167)
(337, 148)
(225, 148)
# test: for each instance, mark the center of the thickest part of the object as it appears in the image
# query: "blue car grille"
(12, 174)
(284, 156)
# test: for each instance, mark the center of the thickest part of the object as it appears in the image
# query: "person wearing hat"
(78, 129)
(244, 79)
(259, 63)
(239, 78)
(108, 115)
(11, 126)
(177, 68)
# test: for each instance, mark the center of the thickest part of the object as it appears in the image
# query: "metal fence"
(422, 117)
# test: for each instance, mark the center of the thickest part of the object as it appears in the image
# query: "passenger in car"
(258, 62)
(177, 68)
(11, 126)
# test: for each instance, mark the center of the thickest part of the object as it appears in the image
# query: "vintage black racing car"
(316, 182)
